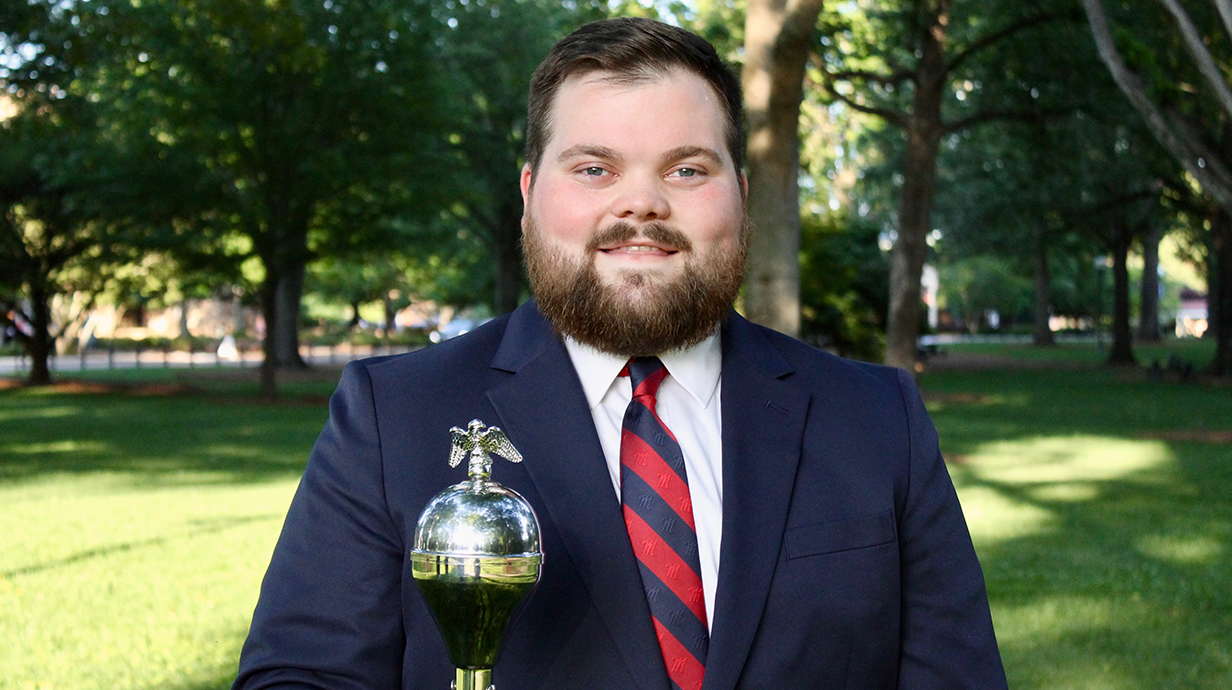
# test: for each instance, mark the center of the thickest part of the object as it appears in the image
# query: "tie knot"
(646, 373)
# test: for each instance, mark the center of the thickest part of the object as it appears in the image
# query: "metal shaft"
(473, 679)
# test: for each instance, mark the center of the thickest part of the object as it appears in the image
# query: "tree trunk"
(354, 322)
(38, 346)
(390, 314)
(1148, 304)
(1219, 295)
(1042, 333)
(778, 34)
(184, 332)
(507, 252)
(239, 324)
(269, 311)
(924, 130)
(288, 293)
(1122, 352)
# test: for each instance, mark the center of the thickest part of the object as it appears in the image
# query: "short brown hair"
(633, 50)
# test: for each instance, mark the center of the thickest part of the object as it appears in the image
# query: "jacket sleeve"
(947, 634)
(329, 614)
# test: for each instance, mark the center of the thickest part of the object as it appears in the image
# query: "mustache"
(655, 231)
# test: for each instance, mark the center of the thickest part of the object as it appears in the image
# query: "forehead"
(608, 109)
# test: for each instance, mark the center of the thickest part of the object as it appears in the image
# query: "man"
(814, 539)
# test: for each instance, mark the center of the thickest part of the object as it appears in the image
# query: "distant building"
(1191, 318)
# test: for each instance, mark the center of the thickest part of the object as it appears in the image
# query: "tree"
(908, 62)
(491, 49)
(54, 238)
(779, 36)
(288, 109)
(1148, 300)
(979, 285)
(1186, 103)
(1087, 184)
(843, 278)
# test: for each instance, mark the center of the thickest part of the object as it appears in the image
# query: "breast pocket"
(840, 535)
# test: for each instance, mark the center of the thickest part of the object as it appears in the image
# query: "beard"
(643, 313)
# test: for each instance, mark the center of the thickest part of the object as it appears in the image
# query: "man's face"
(634, 225)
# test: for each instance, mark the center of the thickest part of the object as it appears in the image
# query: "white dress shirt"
(688, 403)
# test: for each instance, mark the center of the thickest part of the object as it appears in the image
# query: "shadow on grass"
(1126, 590)
(196, 528)
(180, 434)
(1106, 545)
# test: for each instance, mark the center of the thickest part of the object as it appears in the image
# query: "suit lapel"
(544, 411)
(763, 424)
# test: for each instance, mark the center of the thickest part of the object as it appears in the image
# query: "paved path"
(159, 359)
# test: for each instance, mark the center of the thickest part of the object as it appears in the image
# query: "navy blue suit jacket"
(845, 561)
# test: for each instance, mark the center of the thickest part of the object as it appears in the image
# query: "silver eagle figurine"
(478, 442)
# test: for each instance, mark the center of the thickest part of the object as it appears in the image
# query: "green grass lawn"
(136, 525)
(1192, 350)
(1100, 505)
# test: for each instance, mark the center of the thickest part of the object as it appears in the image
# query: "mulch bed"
(1218, 437)
(95, 387)
(189, 387)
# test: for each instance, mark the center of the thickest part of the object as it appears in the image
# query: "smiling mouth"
(651, 239)
(639, 250)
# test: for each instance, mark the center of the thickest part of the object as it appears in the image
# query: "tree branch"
(1197, 50)
(1004, 32)
(1197, 143)
(993, 115)
(1225, 13)
(892, 116)
(892, 79)
(1218, 186)
(1125, 199)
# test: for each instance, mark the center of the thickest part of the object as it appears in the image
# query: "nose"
(641, 198)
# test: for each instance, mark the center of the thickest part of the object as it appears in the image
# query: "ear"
(525, 183)
(744, 185)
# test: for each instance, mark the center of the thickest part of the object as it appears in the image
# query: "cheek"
(719, 219)
(564, 214)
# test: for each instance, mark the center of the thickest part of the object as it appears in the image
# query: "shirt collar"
(696, 369)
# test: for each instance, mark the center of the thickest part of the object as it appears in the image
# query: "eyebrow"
(588, 151)
(681, 152)
(605, 153)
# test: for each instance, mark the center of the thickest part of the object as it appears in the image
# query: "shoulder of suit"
(469, 351)
(810, 362)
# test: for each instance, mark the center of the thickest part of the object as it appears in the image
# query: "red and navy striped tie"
(654, 493)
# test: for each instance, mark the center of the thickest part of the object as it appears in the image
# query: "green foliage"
(981, 284)
(352, 283)
(282, 125)
(490, 50)
(843, 279)
(58, 235)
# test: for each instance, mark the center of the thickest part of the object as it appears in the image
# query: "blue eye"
(593, 171)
